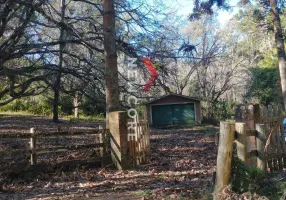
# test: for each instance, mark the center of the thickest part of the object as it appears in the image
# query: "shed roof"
(168, 95)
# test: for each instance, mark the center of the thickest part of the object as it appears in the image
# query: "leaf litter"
(181, 165)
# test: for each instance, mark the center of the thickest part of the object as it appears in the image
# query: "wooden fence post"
(119, 139)
(241, 143)
(227, 131)
(283, 143)
(33, 146)
(250, 114)
(102, 140)
(279, 148)
(260, 143)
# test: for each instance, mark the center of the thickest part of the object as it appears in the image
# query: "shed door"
(162, 115)
(174, 114)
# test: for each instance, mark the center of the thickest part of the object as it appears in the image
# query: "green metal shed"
(173, 109)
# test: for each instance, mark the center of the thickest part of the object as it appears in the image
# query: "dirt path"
(181, 167)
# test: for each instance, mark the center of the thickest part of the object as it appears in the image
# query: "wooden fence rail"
(268, 147)
(126, 145)
(50, 134)
(34, 151)
(270, 156)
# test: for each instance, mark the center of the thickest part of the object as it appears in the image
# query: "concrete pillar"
(118, 139)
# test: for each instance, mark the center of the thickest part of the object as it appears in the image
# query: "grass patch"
(143, 193)
(208, 130)
(18, 113)
(71, 118)
(99, 118)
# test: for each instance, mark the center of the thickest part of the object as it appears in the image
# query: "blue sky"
(185, 7)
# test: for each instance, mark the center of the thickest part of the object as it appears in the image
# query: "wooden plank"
(270, 112)
(275, 113)
(15, 135)
(102, 141)
(270, 165)
(260, 144)
(279, 150)
(274, 145)
(49, 134)
(12, 153)
(137, 150)
(134, 150)
(256, 114)
(283, 143)
(241, 145)
(142, 142)
(68, 148)
(145, 141)
(262, 113)
(275, 164)
(130, 143)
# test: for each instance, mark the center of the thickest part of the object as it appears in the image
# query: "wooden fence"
(139, 141)
(267, 147)
(35, 150)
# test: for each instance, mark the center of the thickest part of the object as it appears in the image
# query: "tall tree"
(57, 85)
(202, 7)
(280, 46)
(112, 88)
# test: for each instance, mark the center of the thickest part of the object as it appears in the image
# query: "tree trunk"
(76, 104)
(280, 47)
(57, 85)
(112, 88)
(56, 99)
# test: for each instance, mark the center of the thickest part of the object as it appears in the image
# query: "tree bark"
(280, 47)
(76, 105)
(112, 88)
(57, 85)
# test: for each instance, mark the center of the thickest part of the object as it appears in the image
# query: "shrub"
(43, 107)
(243, 178)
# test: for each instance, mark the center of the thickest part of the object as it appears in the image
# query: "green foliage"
(265, 87)
(141, 110)
(224, 110)
(36, 106)
(66, 102)
(274, 191)
(43, 107)
(96, 117)
(91, 108)
(145, 193)
(244, 179)
(15, 106)
(219, 111)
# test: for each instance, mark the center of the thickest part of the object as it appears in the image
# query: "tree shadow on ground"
(181, 163)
